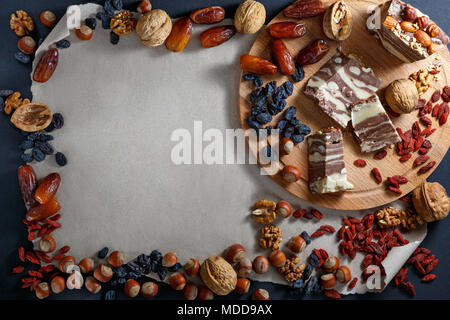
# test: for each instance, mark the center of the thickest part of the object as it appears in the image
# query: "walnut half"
(338, 21)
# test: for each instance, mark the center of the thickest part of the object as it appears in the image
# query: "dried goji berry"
(426, 167)
(428, 277)
(64, 249)
(327, 228)
(317, 214)
(400, 179)
(423, 151)
(367, 261)
(54, 223)
(395, 190)
(360, 163)
(436, 95)
(431, 266)
(426, 121)
(377, 175)
(420, 160)
(31, 235)
(419, 267)
(58, 257)
(400, 277)
(18, 269)
(340, 233)
(30, 256)
(35, 273)
(380, 154)
(393, 182)
(331, 293)
(354, 220)
(428, 260)
(21, 254)
(352, 283)
(408, 287)
(318, 233)
(299, 213)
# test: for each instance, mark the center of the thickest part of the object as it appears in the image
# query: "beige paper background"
(121, 190)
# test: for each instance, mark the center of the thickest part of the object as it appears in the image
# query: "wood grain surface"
(367, 193)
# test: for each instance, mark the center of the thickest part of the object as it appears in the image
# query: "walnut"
(431, 201)
(21, 23)
(338, 21)
(123, 23)
(290, 271)
(13, 102)
(264, 211)
(270, 237)
(32, 117)
(154, 27)
(402, 96)
(218, 275)
(249, 17)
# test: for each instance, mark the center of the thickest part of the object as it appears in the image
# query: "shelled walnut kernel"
(391, 217)
(291, 271)
(21, 23)
(13, 102)
(270, 237)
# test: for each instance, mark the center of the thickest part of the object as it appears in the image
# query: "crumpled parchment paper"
(120, 188)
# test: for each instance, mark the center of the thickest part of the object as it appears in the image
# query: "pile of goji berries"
(424, 262)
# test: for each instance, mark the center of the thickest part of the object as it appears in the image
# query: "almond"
(433, 48)
(408, 26)
(423, 38)
(390, 22)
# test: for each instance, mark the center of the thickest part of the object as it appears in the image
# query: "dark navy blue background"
(15, 76)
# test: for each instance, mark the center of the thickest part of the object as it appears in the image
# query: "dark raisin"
(114, 283)
(162, 274)
(108, 7)
(269, 130)
(290, 112)
(114, 38)
(58, 120)
(156, 255)
(38, 155)
(22, 57)
(110, 295)
(288, 87)
(308, 271)
(249, 77)
(33, 136)
(270, 87)
(50, 128)
(134, 275)
(281, 125)
(106, 22)
(297, 138)
(264, 118)
(121, 272)
(257, 82)
(294, 122)
(26, 157)
(26, 144)
(91, 23)
(299, 73)
(103, 253)
(255, 94)
(45, 137)
(288, 132)
(268, 152)
(40, 41)
(306, 237)
(63, 44)
(303, 129)
(253, 123)
(6, 93)
(118, 4)
(45, 147)
(121, 280)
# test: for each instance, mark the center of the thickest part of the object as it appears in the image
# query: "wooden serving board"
(367, 193)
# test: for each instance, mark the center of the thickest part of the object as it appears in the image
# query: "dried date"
(180, 35)
(304, 9)
(43, 211)
(47, 188)
(257, 65)
(313, 52)
(282, 57)
(217, 35)
(27, 183)
(208, 15)
(287, 30)
(46, 66)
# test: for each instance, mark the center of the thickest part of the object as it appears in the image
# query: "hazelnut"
(296, 244)
(75, 280)
(84, 33)
(433, 30)
(48, 18)
(177, 281)
(205, 294)
(218, 275)
(244, 268)
(27, 45)
(190, 292)
(284, 209)
(131, 288)
(343, 274)
(402, 96)
(92, 285)
(242, 286)
(331, 264)
(277, 258)
(154, 27)
(58, 284)
(86, 265)
(431, 201)
(260, 294)
(169, 260)
(144, 6)
(328, 280)
(409, 14)
(65, 263)
(149, 289)
(116, 259)
(291, 174)
(42, 290)
(103, 273)
(423, 38)
(192, 267)
(260, 264)
(47, 244)
(287, 145)
(249, 17)
(235, 253)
